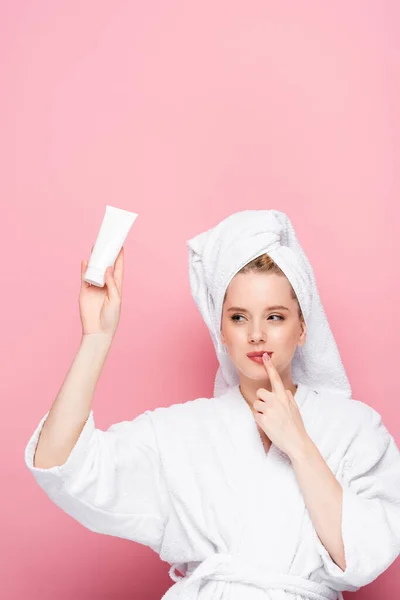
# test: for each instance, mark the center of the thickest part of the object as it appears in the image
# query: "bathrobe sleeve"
(111, 482)
(371, 508)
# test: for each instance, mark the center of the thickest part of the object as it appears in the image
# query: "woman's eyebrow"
(276, 307)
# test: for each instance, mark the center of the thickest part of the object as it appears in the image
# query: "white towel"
(217, 254)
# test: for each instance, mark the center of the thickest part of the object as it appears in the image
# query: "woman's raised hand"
(100, 308)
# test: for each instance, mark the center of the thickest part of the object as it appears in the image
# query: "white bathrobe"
(193, 482)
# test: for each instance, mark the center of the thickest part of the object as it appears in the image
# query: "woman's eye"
(234, 319)
(237, 321)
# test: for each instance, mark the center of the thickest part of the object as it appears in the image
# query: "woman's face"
(259, 326)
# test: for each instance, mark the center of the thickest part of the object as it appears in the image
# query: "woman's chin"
(256, 375)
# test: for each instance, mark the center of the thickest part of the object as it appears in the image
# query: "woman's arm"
(71, 408)
(323, 496)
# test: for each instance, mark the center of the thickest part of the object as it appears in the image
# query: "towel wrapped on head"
(216, 255)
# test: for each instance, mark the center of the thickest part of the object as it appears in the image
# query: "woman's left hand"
(278, 414)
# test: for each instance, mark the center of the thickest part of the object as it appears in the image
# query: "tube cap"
(95, 276)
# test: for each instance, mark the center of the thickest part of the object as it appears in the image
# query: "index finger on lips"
(276, 381)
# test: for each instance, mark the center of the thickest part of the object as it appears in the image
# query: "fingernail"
(266, 356)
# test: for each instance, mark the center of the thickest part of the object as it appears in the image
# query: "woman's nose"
(256, 336)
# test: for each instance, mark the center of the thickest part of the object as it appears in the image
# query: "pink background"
(182, 112)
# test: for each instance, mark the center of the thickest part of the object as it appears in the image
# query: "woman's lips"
(257, 359)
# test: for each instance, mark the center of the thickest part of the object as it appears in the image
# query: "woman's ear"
(303, 335)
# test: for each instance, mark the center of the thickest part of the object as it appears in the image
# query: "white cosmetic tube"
(110, 239)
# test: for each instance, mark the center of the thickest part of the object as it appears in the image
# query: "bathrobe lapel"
(270, 500)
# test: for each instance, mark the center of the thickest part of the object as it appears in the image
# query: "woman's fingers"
(112, 280)
(119, 270)
(113, 291)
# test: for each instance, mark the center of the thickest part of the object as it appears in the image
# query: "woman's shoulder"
(337, 407)
(344, 427)
(182, 412)
(333, 417)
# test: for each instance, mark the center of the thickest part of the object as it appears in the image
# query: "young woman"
(280, 486)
